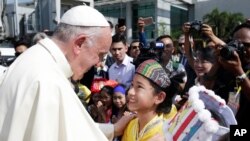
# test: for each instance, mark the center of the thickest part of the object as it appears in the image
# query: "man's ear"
(79, 43)
(126, 47)
(160, 97)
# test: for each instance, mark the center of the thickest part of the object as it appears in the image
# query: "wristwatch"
(241, 78)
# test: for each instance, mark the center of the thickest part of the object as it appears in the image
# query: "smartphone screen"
(148, 21)
(121, 22)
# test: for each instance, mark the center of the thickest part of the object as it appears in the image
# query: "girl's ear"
(160, 97)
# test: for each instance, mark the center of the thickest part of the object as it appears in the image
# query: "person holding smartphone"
(141, 23)
(120, 27)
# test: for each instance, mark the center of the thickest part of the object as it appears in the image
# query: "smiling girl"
(150, 96)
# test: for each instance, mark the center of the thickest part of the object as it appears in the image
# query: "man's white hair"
(65, 32)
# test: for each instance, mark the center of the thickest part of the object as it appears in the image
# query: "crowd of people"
(64, 84)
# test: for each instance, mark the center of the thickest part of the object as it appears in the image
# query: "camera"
(153, 51)
(158, 45)
(195, 28)
(227, 51)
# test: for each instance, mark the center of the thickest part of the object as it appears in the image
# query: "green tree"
(162, 28)
(223, 22)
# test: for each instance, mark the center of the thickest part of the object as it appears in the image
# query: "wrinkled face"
(141, 95)
(118, 51)
(92, 51)
(243, 35)
(168, 49)
(119, 99)
(201, 66)
(135, 49)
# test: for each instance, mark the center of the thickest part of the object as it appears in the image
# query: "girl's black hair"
(206, 53)
(166, 106)
(108, 89)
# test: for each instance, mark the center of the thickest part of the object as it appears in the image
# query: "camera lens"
(227, 52)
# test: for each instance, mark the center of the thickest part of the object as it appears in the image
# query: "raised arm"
(188, 45)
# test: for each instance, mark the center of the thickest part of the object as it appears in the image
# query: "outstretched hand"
(121, 124)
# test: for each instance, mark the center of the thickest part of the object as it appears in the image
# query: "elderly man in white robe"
(37, 102)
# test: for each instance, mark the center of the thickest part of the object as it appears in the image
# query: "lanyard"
(239, 87)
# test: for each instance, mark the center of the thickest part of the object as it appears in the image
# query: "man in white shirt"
(122, 70)
(37, 101)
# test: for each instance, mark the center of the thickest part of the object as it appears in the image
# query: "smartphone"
(148, 21)
(121, 22)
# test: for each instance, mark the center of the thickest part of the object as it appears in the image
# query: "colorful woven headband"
(120, 89)
(152, 70)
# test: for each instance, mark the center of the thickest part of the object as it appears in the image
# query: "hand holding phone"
(148, 21)
(121, 22)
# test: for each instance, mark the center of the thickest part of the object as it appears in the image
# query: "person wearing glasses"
(37, 99)
(168, 63)
(167, 54)
(134, 49)
(239, 65)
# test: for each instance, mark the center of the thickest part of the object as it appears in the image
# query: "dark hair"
(22, 41)
(134, 41)
(119, 38)
(166, 105)
(206, 53)
(110, 24)
(91, 98)
(237, 28)
(176, 78)
(163, 37)
(107, 89)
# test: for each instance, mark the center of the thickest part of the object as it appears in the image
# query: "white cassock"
(37, 102)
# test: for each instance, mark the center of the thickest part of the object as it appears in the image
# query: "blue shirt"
(124, 72)
(142, 39)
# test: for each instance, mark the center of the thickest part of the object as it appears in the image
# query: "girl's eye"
(139, 86)
(131, 85)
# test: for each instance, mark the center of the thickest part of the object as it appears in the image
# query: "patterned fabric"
(195, 121)
(152, 70)
(153, 127)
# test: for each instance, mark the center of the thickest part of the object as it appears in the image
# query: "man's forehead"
(242, 33)
(168, 40)
(135, 43)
